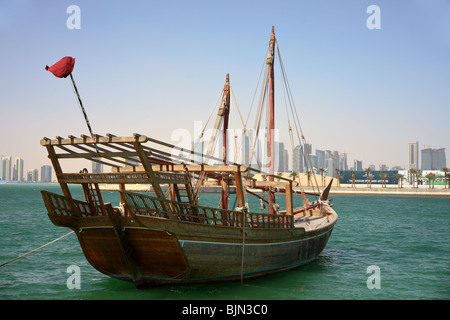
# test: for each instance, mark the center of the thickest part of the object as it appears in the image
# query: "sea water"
(393, 248)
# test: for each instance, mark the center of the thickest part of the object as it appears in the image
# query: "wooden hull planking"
(163, 251)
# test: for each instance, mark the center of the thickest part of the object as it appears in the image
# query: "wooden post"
(239, 189)
(240, 196)
(64, 187)
(126, 247)
(224, 185)
(289, 202)
(152, 178)
(122, 200)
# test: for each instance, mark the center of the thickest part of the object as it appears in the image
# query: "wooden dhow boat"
(166, 236)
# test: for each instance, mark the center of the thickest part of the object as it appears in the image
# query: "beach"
(342, 190)
(389, 190)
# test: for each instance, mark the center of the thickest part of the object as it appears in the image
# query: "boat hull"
(149, 250)
(169, 253)
(164, 258)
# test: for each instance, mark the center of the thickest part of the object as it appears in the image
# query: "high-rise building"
(413, 155)
(433, 159)
(301, 156)
(279, 157)
(297, 159)
(307, 165)
(286, 160)
(343, 162)
(19, 169)
(439, 160)
(46, 173)
(97, 167)
(357, 165)
(336, 163)
(30, 175)
(6, 168)
(313, 163)
(427, 156)
(35, 175)
(320, 154)
(14, 173)
(329, 163)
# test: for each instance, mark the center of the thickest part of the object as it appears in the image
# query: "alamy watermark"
(374, 280)
(74, 20)
(374, 20)
(250, 147)
(74, 280)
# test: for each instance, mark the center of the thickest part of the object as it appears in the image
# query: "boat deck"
(311, 222)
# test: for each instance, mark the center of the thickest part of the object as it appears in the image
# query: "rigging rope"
(301, 138)
(244, 222)
(1, 265)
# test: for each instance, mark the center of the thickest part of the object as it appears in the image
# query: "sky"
(152, 67)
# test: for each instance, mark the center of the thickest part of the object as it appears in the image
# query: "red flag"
(62, 68)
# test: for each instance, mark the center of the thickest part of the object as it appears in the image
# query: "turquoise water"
(407, 239)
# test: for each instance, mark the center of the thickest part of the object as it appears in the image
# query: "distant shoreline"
(391, 192)
(26, 183)
(343, 190)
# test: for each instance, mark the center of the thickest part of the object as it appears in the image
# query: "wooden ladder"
(93, 197)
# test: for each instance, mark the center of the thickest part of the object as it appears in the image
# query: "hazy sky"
(152, 67)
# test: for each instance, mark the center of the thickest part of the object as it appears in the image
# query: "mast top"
(270, 55)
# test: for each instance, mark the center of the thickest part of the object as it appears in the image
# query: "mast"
(270, 62)
(224, 111)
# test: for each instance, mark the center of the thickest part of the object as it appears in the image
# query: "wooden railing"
(123, 177)
(59, 205)
(141, 204)
(119, 177)
(145, 205)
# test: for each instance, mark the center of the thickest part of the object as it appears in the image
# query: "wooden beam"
(141, 177)
(96, 155)
(64, 187)
(97, 139)
(268, 184)
(125, 245)
(153, 180)
(180, 167)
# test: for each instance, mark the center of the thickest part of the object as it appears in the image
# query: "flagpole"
(82, 109)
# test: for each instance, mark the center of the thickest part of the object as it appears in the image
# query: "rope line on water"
(1, 265)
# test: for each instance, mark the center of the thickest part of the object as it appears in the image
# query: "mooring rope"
(1, 265)
(244, 213)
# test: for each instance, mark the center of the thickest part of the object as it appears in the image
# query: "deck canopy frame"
(143, 160)
(131, 157)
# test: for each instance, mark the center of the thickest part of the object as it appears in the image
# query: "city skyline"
(14, 171)
(430, 159)
(154, 68)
